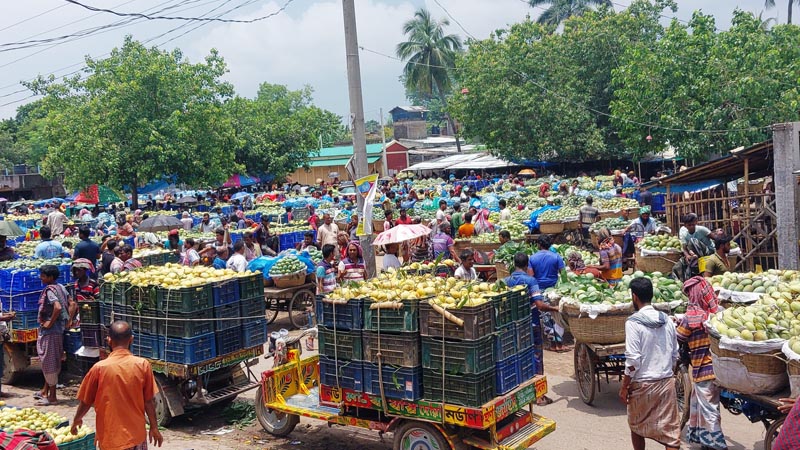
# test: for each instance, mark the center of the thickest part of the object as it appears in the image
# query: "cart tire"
(273, 422)
(272, 310)
(11, 374)
(302, 300)
(772, 432)
(412, 435)
(585, 373)
(683, 392)
(162, 410)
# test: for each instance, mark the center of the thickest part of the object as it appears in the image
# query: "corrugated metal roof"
(410, 109)
(330, 162)
(333, 152)
(484, 162)
(446, 162)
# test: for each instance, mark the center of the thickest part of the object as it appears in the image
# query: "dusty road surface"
(579, 427)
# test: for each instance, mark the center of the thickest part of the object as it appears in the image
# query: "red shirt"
(400, 221)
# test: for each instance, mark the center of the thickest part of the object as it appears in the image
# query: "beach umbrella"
(3, 199)
(401, 233)
(187, 199)
(160, 223)
(526, 172)
(95, 194)
(239, 180)
(10, 229)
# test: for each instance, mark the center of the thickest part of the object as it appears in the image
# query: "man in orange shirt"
(121, 388)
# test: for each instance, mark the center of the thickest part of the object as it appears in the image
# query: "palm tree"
(771, 4)
(561, 10)
(430, 57)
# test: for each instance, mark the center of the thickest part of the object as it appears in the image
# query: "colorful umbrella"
(527, 172)
(240, 195)
(160, 223)
(401, 233)
(8, 228)
(95, 194)
(239, 181)
(186, 199)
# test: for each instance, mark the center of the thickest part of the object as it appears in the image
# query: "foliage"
(737, 81)
(561, 10)
(138, 115)
(278, 128)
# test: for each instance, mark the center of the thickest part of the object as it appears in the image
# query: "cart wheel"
(11, 373)
(683, 391)
(414, 435)
(162, 410)
(272, 310)
(302, 302)
(276, 423)
(772, 432)
(585, 373)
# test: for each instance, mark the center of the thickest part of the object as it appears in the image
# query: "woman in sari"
(704, 415)
(352, 267)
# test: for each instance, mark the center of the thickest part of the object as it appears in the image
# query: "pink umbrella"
(401, 233)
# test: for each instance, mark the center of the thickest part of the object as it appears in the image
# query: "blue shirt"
(546, 266)
(87, 249)
(49, 250)
(519, 277)
(219, 263)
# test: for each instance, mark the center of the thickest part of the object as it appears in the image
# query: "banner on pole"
(367, 187)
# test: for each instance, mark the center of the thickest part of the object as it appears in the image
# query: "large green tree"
(561, 10)
(139, 114)
(430, 56)
(278, 127)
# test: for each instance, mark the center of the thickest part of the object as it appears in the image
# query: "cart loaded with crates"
(20, 289)
(437, 361)
(201, 333)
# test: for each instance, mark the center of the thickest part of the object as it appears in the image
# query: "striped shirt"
(612, 256)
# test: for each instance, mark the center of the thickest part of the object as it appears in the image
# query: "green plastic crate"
(398, 349)
(142, 298)
(345, 345)
(462, 357)
(84, 443)
(185, 300)
(472, 390)
(115, 293)
(251, 286)
(395, 320)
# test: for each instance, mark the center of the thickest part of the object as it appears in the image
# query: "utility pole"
(383, 153)
(357, 118)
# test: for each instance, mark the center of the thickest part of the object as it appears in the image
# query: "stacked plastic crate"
(340, 343)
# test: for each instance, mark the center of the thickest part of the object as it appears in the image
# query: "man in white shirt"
(648, 386)
(505, 213)
(327, 232)
(441, 216)
(466, 271)
(56, 220)
(237, 261)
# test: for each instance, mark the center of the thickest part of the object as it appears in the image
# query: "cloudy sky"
(301, 45)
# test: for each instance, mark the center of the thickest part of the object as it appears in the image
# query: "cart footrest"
(227, 391)
(310, 403)
(522, 439)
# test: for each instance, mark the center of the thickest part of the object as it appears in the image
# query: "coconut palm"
(561, 10)
(771, 4)
(430, 57)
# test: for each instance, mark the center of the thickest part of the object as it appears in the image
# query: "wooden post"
(749, 220)
(786, 141)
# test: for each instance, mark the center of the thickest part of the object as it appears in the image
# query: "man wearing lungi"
(648, 386)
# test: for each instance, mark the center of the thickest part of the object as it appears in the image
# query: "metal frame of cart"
(506, 422)
(297, 301)
(593, 361)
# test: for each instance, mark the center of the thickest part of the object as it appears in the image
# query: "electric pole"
(357, 118)
(383, 138)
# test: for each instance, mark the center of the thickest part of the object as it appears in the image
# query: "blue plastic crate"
(228, 341)
(25, 320)
(20, 280)
(524, 332)
(237, 236)
(92, 335)
(230, 314)
(72, 341)
(252, 308)
(20, 301)
(345, 317)
(506, 375)
(254, 333)
(529, 363)
(190, 350)
(402, 383)
(505, 341)
(65, 274)
(226, 292)
(148, 346)
(346, 374)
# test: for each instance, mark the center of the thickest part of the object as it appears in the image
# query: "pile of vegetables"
(32, 419)
(505, 254)
(774, 316)
(565, 213)
(661, 242)
(28, 264)
(286, 266)
(613, 223)
(665, 289)
(766, 282)
(565, 249)
(315, 254)
(291, 227)
(173, 276)
(588, 289)
(617, 203)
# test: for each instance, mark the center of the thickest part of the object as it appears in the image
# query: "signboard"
(366, 187)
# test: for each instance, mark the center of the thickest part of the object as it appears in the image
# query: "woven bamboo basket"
(770, 363)
(290, 280)
(633, 213)
(606, 328)
(551, 227)
(608, 215)
(572, 224)
(502, 270)
(793, 370)
(658, 263)
(618, 239)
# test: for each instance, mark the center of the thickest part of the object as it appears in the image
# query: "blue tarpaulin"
(680, 188)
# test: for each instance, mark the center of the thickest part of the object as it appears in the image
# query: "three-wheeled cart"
(17, 354)
(506, 422)
(298, 301)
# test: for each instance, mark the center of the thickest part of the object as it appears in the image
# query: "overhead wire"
(202, 19)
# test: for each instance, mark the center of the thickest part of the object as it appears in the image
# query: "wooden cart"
(298, 301)
(593, 361)
(506, 422)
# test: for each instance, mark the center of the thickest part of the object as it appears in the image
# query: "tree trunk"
(789, 14)
(450, 121)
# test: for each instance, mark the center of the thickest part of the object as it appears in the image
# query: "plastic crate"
(524, 334)
(115, 293)
(230, 314)
(84, 443)
(254, 333)
(472, 390)
(347, 316)
(175, 325)
(91, 335)
(64, 274)
(401, 349)
(398, 382)
(537, 334)
(228, 341)
(462, 357)
(20, 301)
(72, 341)
(478, 322)
(396, 320)
(252, 307)
(148, 346)
(142, 298)
(529, 363)
(505, 341)
(506, 375)
(225, 292)
(190, 350)
(141, 321)
(251, 286)
(507, 307)
(25, 320)
(341, 344)
(185, 300)
(346, 374)
(79, 365)
(89, 312)
(20, 280)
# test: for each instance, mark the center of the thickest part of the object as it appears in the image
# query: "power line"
(203, 19)
(588, 108)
